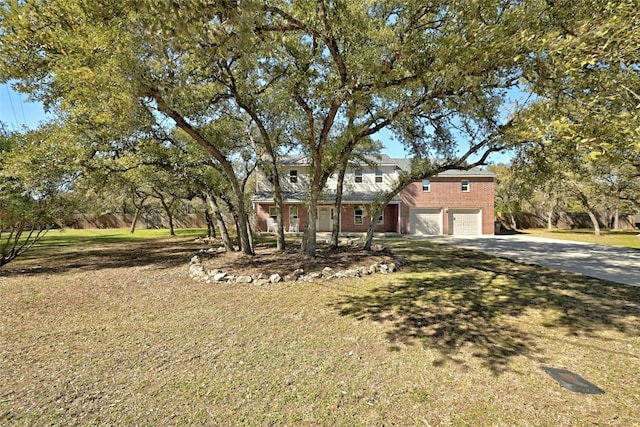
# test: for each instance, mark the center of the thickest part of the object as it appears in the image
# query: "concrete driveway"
(618, 265)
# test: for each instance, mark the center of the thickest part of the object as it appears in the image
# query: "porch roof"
(301, 197)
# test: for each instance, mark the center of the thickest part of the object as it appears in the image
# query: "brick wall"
(446, 193)
(262, 213)
(390, 218)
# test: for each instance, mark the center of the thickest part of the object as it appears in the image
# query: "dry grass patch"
(119, 335)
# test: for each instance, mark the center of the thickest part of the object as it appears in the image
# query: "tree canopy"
(248, 81)
(35, 186)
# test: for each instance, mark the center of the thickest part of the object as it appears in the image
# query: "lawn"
(628, 239)
(115, 333)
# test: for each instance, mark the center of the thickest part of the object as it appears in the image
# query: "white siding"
(368, 184)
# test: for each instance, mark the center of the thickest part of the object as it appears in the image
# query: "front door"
(324, 218)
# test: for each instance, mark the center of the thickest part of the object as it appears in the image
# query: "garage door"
(426, 221)
(464, 222)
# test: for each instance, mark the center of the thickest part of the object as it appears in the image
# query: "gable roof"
(400, 163)
(473, 172)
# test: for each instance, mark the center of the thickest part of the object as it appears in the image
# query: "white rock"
(275, 278)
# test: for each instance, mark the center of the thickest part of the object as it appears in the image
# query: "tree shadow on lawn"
(161, 253)
(460, 297)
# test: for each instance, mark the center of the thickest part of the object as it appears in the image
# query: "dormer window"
(293, 176)
(378, 176)
(358, 176)
(465, 186)
(426, 186)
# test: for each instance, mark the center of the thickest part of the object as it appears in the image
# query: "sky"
(16, 111)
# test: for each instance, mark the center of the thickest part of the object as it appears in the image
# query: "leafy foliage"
(249, 81)
(34, 185)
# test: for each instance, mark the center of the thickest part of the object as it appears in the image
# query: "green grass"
(628, 239)
(82, 245)
(117, 334)
(69, 237)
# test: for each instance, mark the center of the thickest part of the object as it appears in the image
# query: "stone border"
(198, 273)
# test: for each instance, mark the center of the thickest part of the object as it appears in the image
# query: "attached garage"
(465, 221)
(426, 221)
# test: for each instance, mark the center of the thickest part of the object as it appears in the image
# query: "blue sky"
(16, 111)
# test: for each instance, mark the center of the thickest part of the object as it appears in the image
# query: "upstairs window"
(358, 176)
(358, 215)
(426, 186)
(465, 185)
(293, 176)
(378, 175)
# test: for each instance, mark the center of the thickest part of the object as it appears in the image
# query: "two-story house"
(453, 202)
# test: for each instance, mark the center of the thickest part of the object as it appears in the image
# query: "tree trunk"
(237, 225)
(277, 200)
(594, 221)
(309, 236)
(243, 235)
(168, 209)
(274, 178)
(590, 211)
(368, 241)
(374, 212)
(249, 231)
(225, 163)
(550, 219)
(211, 230)
(335, 232)
(171, 230)
(270, 169)
(512, 219)
(136, 216)
(224, 232)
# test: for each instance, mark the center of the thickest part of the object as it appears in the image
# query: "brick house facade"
(453, 202)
